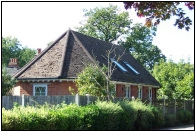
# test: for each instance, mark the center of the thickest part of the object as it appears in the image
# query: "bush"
(103, 115)
(184, 116)
(145, 117)
(110, 116)
(129, 117)
(170, 120)
(159, 120)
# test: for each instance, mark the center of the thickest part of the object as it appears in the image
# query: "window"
(140, 92)
(118, 65)
(130, 67)
(40, 89)
(150, 92)
(127, 91)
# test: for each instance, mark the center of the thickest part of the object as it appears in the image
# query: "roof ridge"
(30, 63)
(64, 53)
(86, 51)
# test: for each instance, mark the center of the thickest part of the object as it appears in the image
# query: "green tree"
(139, 43)
(108, 24)
(91, 81)
(186, 87)
(12, 49)
(95, 79)
(7, 82)
(102, 23)
(160, 11)
(175, 78)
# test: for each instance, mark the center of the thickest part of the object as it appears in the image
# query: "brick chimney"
(38, 51)
(13, 63)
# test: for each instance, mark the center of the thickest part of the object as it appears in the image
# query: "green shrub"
(145, 117)
(184, 116)
(103, 115)
(159, 120)
(129, 117)
(170, 120)
(89, 117)
(110, 116)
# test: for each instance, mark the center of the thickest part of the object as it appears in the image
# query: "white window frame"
(150, 92)
(140, 92)
(40, 85)
(127, 91)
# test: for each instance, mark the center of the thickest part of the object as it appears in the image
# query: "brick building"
(55, 68)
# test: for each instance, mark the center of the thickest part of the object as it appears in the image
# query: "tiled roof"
(65, 58)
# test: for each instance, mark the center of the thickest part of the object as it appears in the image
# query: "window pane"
(40, 90)
(42, 94)
(37, 89)
(130, 67)
(37, 93)
(118, 65)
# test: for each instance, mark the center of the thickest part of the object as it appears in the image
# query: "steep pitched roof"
(65, 57)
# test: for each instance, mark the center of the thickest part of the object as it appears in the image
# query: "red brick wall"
(62, 88)
(26, 88)
(134, 90)
(120, 90)
(154, 91)
(145, 92)
(54, 88)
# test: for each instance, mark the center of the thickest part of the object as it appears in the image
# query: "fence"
(166, 105)
(8, 101)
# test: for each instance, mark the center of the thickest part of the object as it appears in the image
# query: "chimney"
(38, 51)
(13, 63)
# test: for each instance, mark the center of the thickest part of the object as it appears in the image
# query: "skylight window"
(130, 67)
(118, 65)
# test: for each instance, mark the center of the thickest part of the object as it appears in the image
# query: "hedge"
(126, 115)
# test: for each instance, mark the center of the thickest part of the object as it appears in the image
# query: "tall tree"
(176, 79)
(12, 49)
(103, 23)
(108, 24)
(139, 43)
(159, 11)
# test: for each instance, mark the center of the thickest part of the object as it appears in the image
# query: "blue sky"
(36, 24)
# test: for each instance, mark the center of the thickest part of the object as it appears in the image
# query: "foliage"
(7, 82)
(170, 120)
(92, 80)
(161, 11)
(184, 116)
(103, 115)
(176, 79)
(139, 43)
(12, 49)
(111, 115)
(186, 87)
(145, 116)
(158, 115)
(130, 115)
(108, 24)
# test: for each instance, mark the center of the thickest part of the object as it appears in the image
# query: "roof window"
(118, 65)
(130, 67)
